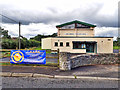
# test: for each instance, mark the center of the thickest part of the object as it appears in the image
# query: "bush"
(34, 43)
(12, 44)
(9, 44)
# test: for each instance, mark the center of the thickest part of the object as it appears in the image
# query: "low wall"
(94, 59)
(68, 61)
(64, 61)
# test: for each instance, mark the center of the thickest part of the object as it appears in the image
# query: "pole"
(19, 36)
(19, 27)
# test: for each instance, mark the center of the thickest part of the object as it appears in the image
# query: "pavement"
(105, 72)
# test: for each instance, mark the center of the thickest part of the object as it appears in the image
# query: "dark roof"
(76, 21)
(85, 41)
(81, 37)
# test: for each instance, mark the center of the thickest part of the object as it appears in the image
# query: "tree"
(117, 43)
(5, 33)
(39, 36)
(54, 35)
(118, 39)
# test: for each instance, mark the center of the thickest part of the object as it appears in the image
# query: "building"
(78, 37)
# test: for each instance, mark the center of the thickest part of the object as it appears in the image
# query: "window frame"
(60, 44)
(109, 39)
(68, 44)
(55, 44)
(79, 44)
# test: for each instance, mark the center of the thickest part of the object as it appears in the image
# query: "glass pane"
(78, 45)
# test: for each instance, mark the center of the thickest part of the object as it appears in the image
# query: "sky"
(42, 16)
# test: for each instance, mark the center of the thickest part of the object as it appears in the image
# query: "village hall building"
(78, 37)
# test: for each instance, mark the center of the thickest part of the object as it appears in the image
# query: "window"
(109, 39)
(81, 26)
(56, 43)
(72, 26)
(81, 33)
(67, 44)
(69, 34)
(61, 43)
(79, 45)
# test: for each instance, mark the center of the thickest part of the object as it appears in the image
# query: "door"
(90, 47)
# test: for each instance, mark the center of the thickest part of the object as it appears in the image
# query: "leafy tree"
(12, 43)
(4, 33)
(39, 36)
(9, 44)
(54, 35)
(34, 43)
(117, 43)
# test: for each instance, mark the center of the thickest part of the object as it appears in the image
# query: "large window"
(61, 44)
(79, 45)
(56, 44)
(72, 26)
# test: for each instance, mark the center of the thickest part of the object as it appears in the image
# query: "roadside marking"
(8, 74)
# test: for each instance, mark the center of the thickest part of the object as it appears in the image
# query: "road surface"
(30, 82)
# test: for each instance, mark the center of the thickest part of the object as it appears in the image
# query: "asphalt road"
(5, 59)
(30, 82)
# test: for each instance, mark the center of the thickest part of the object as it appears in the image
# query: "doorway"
(90, 47)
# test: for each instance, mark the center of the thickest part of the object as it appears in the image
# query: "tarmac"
(97, 72)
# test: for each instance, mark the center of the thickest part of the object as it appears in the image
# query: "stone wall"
(64, 61)
(94, 59)
(69, 60)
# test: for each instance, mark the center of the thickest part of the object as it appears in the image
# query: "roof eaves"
(79, 22)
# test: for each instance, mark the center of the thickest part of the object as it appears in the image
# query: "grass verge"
(116, 47)
(47, 64)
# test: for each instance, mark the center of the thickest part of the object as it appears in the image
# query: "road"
(28, 82)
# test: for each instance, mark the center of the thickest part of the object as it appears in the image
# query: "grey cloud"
(88, 14)
(12, 33)
(111, 33)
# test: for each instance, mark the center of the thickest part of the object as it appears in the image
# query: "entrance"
(90, 47)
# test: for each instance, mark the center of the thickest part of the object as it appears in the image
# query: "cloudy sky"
(41, 16)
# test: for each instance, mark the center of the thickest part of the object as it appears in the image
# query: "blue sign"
(28, 57)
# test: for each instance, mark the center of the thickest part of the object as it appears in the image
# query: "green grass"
(47, 64)
(5, 54)
(116, 47)
(39, 48)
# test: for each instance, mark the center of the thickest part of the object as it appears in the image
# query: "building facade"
(78, 37)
